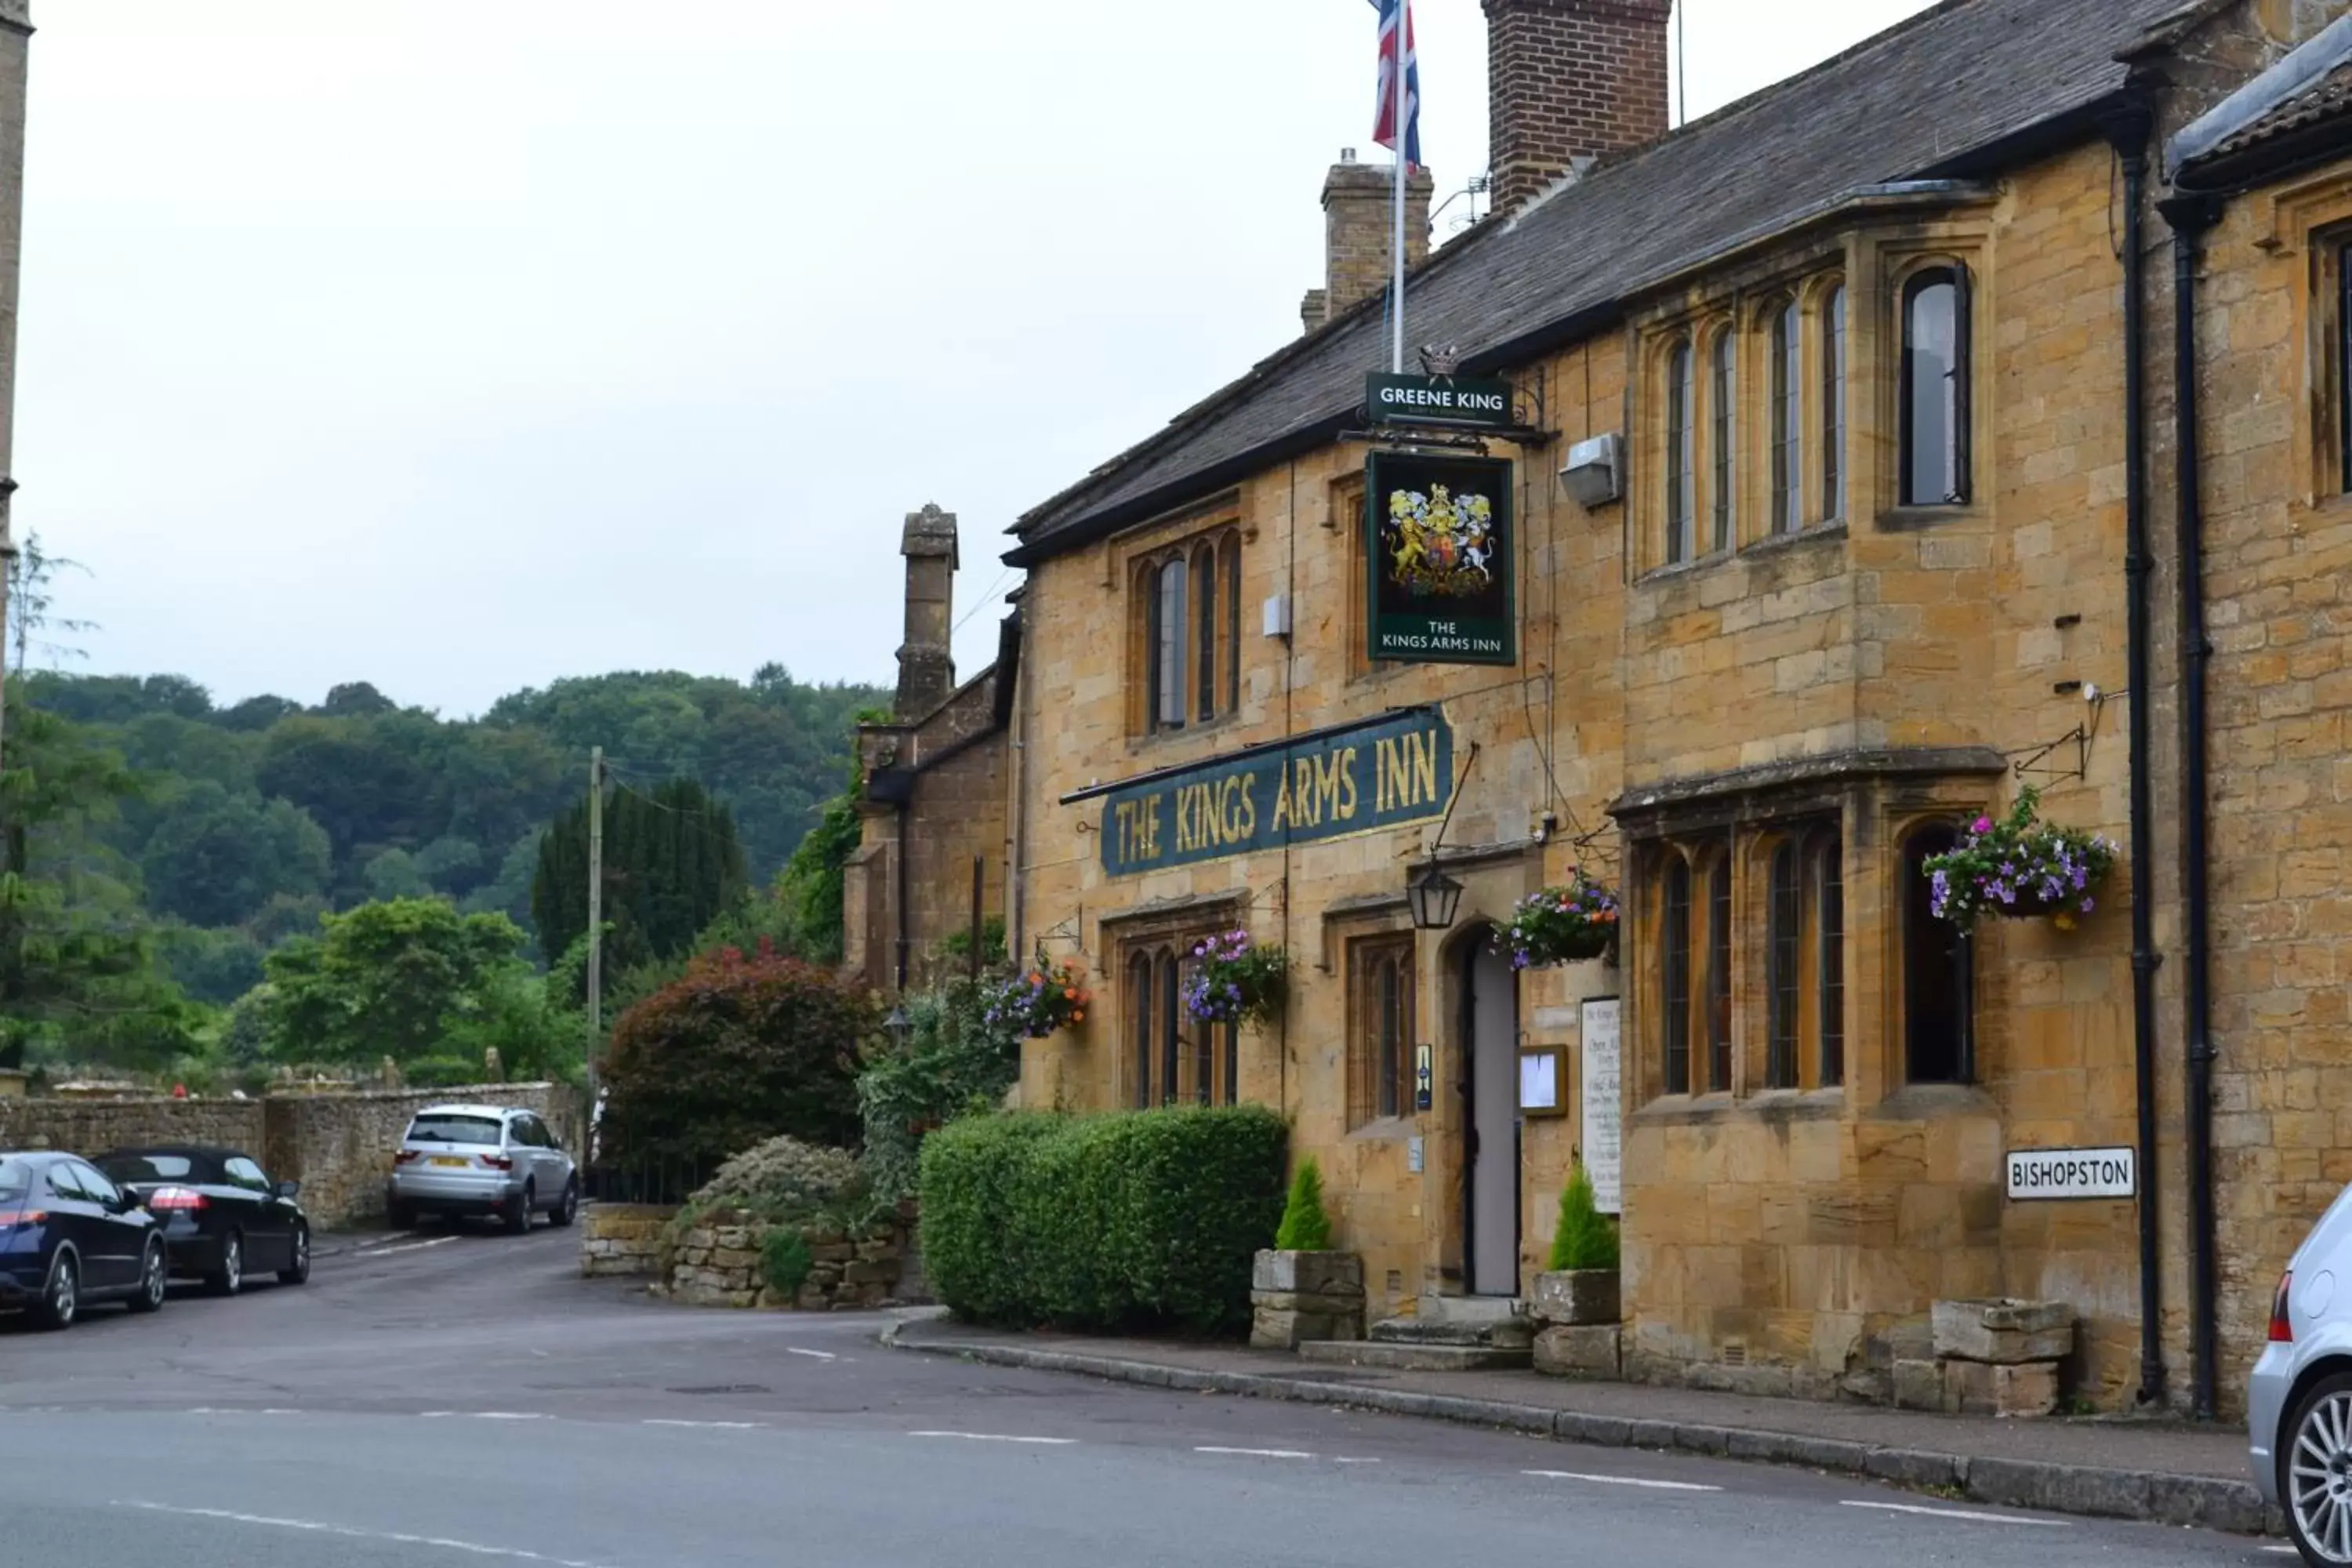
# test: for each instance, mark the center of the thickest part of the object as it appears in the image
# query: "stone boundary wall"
(717, 1264)
(338, 1145)
(622, 1240)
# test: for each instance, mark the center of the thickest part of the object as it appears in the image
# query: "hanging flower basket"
(1235, 980)
(1561, 925)
(2020, 867)
(1037, 1001)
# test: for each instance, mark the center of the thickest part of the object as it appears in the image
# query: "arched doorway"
(1488, 1047)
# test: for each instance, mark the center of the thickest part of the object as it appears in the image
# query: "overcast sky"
(462, 347)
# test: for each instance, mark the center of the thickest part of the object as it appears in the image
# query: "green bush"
(952, 1062)
(1584, 1238)
(1305, 1227)
(784, 1262)
(1141, 1220)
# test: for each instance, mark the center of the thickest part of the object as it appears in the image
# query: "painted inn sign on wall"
(1395, 769)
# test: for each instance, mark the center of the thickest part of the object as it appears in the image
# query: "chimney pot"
(1359, 222)
(926, 664)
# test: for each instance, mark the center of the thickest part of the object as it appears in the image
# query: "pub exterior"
(1821, 521)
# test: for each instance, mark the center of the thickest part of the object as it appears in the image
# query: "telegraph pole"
(595, 916)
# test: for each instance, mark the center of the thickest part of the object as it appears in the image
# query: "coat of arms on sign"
(1439, 543)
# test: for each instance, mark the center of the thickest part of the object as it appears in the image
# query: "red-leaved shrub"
(746, 1047)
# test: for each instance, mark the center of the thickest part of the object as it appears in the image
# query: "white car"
(2299, 1396)
(459, 1160)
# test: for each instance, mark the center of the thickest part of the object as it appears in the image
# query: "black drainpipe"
(2191, 217)
(2129, 132)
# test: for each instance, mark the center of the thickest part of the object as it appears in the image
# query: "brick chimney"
(1359, 222)
(926, 665)
(1569, 81)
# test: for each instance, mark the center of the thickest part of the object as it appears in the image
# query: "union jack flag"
(1395, 16)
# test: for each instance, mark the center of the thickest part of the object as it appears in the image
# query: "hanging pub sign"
(1439, 548)
(1469, 402)
(1395, 769)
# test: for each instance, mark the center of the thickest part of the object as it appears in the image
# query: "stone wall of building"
(2278, 540)
(1799, 1236)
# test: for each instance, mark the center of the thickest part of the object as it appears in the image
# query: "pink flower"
(1983, 825)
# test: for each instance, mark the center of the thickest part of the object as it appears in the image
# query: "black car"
(222, 1217)
(68, 1236)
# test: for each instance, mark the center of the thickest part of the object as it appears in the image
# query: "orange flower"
(1070, 992)
(1077, 1017)
(1036, 979)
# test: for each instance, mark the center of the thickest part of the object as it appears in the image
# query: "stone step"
(1471, 1308)
(1406, 1357)
(1515, 1335)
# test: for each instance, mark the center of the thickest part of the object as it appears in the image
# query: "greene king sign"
(1473, 402)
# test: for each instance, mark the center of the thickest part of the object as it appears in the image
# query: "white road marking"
(396, 1248)
(2282, 1550)
(1355, 1461)
(506, 1415)
(721, 1426)
(1256, 1453)
(1969, 1515)
(1623, 1482)
(813, 1355)
(996, 1438)
(348, 1532)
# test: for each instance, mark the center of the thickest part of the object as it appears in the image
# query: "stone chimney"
(926, 665)
(1570, 81)
(1359, 222)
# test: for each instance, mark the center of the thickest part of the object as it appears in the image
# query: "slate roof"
(2330, 98)
(1953, 92)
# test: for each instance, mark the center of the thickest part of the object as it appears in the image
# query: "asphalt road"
(468, 1399)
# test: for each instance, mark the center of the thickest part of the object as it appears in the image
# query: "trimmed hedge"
(1141, 1220)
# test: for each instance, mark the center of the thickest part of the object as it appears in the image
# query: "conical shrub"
(1585, 1237)
(1305, 1227)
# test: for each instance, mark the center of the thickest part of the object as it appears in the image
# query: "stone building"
(932, 846)
(1847, 503)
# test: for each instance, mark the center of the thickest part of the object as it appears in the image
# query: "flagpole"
(1403, 141)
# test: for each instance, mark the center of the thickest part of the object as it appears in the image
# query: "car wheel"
(299, 1271)
(226, 1279)
(62, 1301)
(517, 1215)
(154, 1276)
(567, 1207)
(2315, 1472)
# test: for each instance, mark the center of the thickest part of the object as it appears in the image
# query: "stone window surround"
(1368, 951)
(1172, 928)
(1877, 799)
(1748, 311)
(1871, 264)
(2312, 218)
(1125, 558)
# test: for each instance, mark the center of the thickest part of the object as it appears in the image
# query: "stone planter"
(1296, 1296)
(1577, 1298)
(12, 1083)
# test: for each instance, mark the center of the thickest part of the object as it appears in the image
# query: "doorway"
(1490, 1176)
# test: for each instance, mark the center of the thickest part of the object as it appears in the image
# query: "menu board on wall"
(1603, 1105)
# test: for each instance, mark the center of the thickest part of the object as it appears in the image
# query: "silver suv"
(463, 1160)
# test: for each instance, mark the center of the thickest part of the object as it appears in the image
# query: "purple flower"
(2090, 904)
(1983, 825)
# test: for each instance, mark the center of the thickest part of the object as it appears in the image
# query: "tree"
(393, 979)
(76, 952)
(746, 1047)
(215, 858)
(672, 865)
(215, 965)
